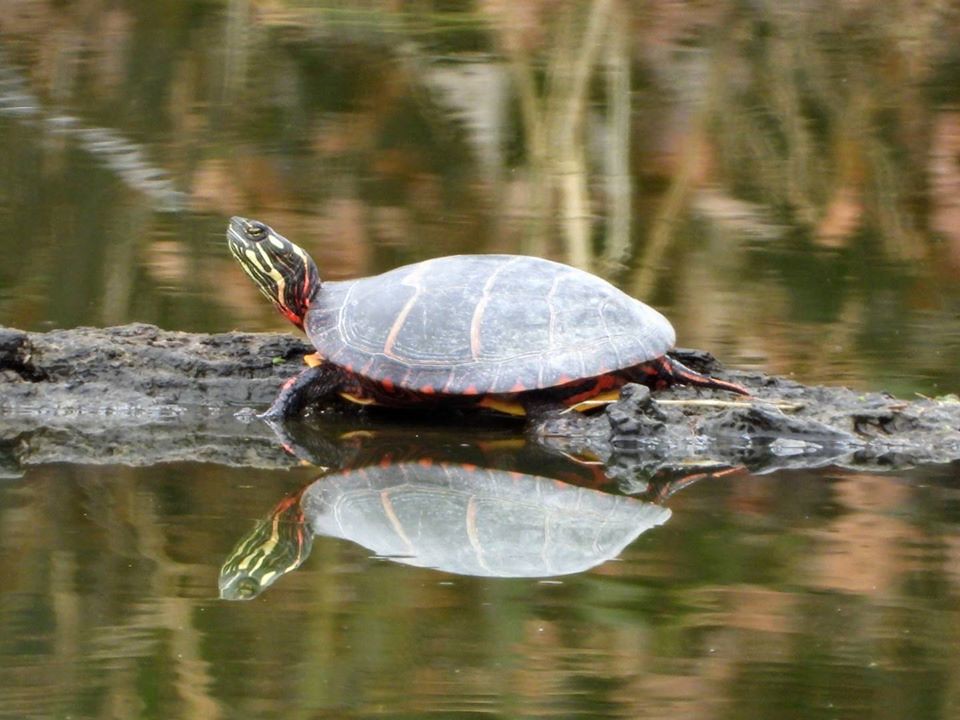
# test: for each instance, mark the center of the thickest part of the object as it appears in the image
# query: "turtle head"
(277, 545)
(283, 271)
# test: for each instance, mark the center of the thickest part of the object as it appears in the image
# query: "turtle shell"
(476, 324)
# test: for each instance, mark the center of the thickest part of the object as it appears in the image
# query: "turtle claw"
(273, 415)
(288, 402)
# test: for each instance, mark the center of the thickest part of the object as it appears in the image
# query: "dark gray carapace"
(476, 324)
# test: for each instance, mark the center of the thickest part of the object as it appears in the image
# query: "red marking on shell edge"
(387, 384)
(602, 383)
(564, 379)
(469, 467)
(518, 387)
(471, 390)
(605, 382)
(580, 397)
(427, 390)
(425, 462)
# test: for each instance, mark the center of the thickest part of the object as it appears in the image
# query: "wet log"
(139, 395)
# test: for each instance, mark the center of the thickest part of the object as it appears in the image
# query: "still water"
(825, 595)
(782, 183)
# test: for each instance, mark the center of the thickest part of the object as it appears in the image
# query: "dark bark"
(139, 395)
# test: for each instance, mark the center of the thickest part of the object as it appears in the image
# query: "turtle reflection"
(456, 517)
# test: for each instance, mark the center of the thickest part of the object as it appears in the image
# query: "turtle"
(453, 517)
(504, 332)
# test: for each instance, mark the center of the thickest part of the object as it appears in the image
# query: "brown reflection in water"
(93, 596)
(700, 157)
(810, 131)
(799, 588)
(945, 181)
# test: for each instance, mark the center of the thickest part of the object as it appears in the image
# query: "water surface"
(795, 594)
(780, 182)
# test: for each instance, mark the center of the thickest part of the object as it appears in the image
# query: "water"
(797, 594)
(781, 183)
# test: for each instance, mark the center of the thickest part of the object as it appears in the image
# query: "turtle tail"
(671, 371)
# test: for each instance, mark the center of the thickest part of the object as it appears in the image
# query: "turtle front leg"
(299, 392)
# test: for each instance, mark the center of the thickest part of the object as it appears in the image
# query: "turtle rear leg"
(666, 371)
(299, 392)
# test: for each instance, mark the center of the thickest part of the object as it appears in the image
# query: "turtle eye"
(256, 231)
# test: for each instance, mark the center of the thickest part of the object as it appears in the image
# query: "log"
(139, 395)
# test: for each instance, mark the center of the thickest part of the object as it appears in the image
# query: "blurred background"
(783, 180)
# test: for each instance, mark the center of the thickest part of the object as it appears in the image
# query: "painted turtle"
(447, 516)
(506, 332)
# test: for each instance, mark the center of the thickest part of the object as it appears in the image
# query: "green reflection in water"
(762, 597)
(760, 175)
(779, 181)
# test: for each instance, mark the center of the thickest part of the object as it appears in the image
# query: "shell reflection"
(453, 517)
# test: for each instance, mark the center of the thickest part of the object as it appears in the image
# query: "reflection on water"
(123, 157)
(454, 517)
(780, 179)
(829, 595)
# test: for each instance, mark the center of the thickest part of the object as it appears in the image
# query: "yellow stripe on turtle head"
(283, 271)
(259, 259)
